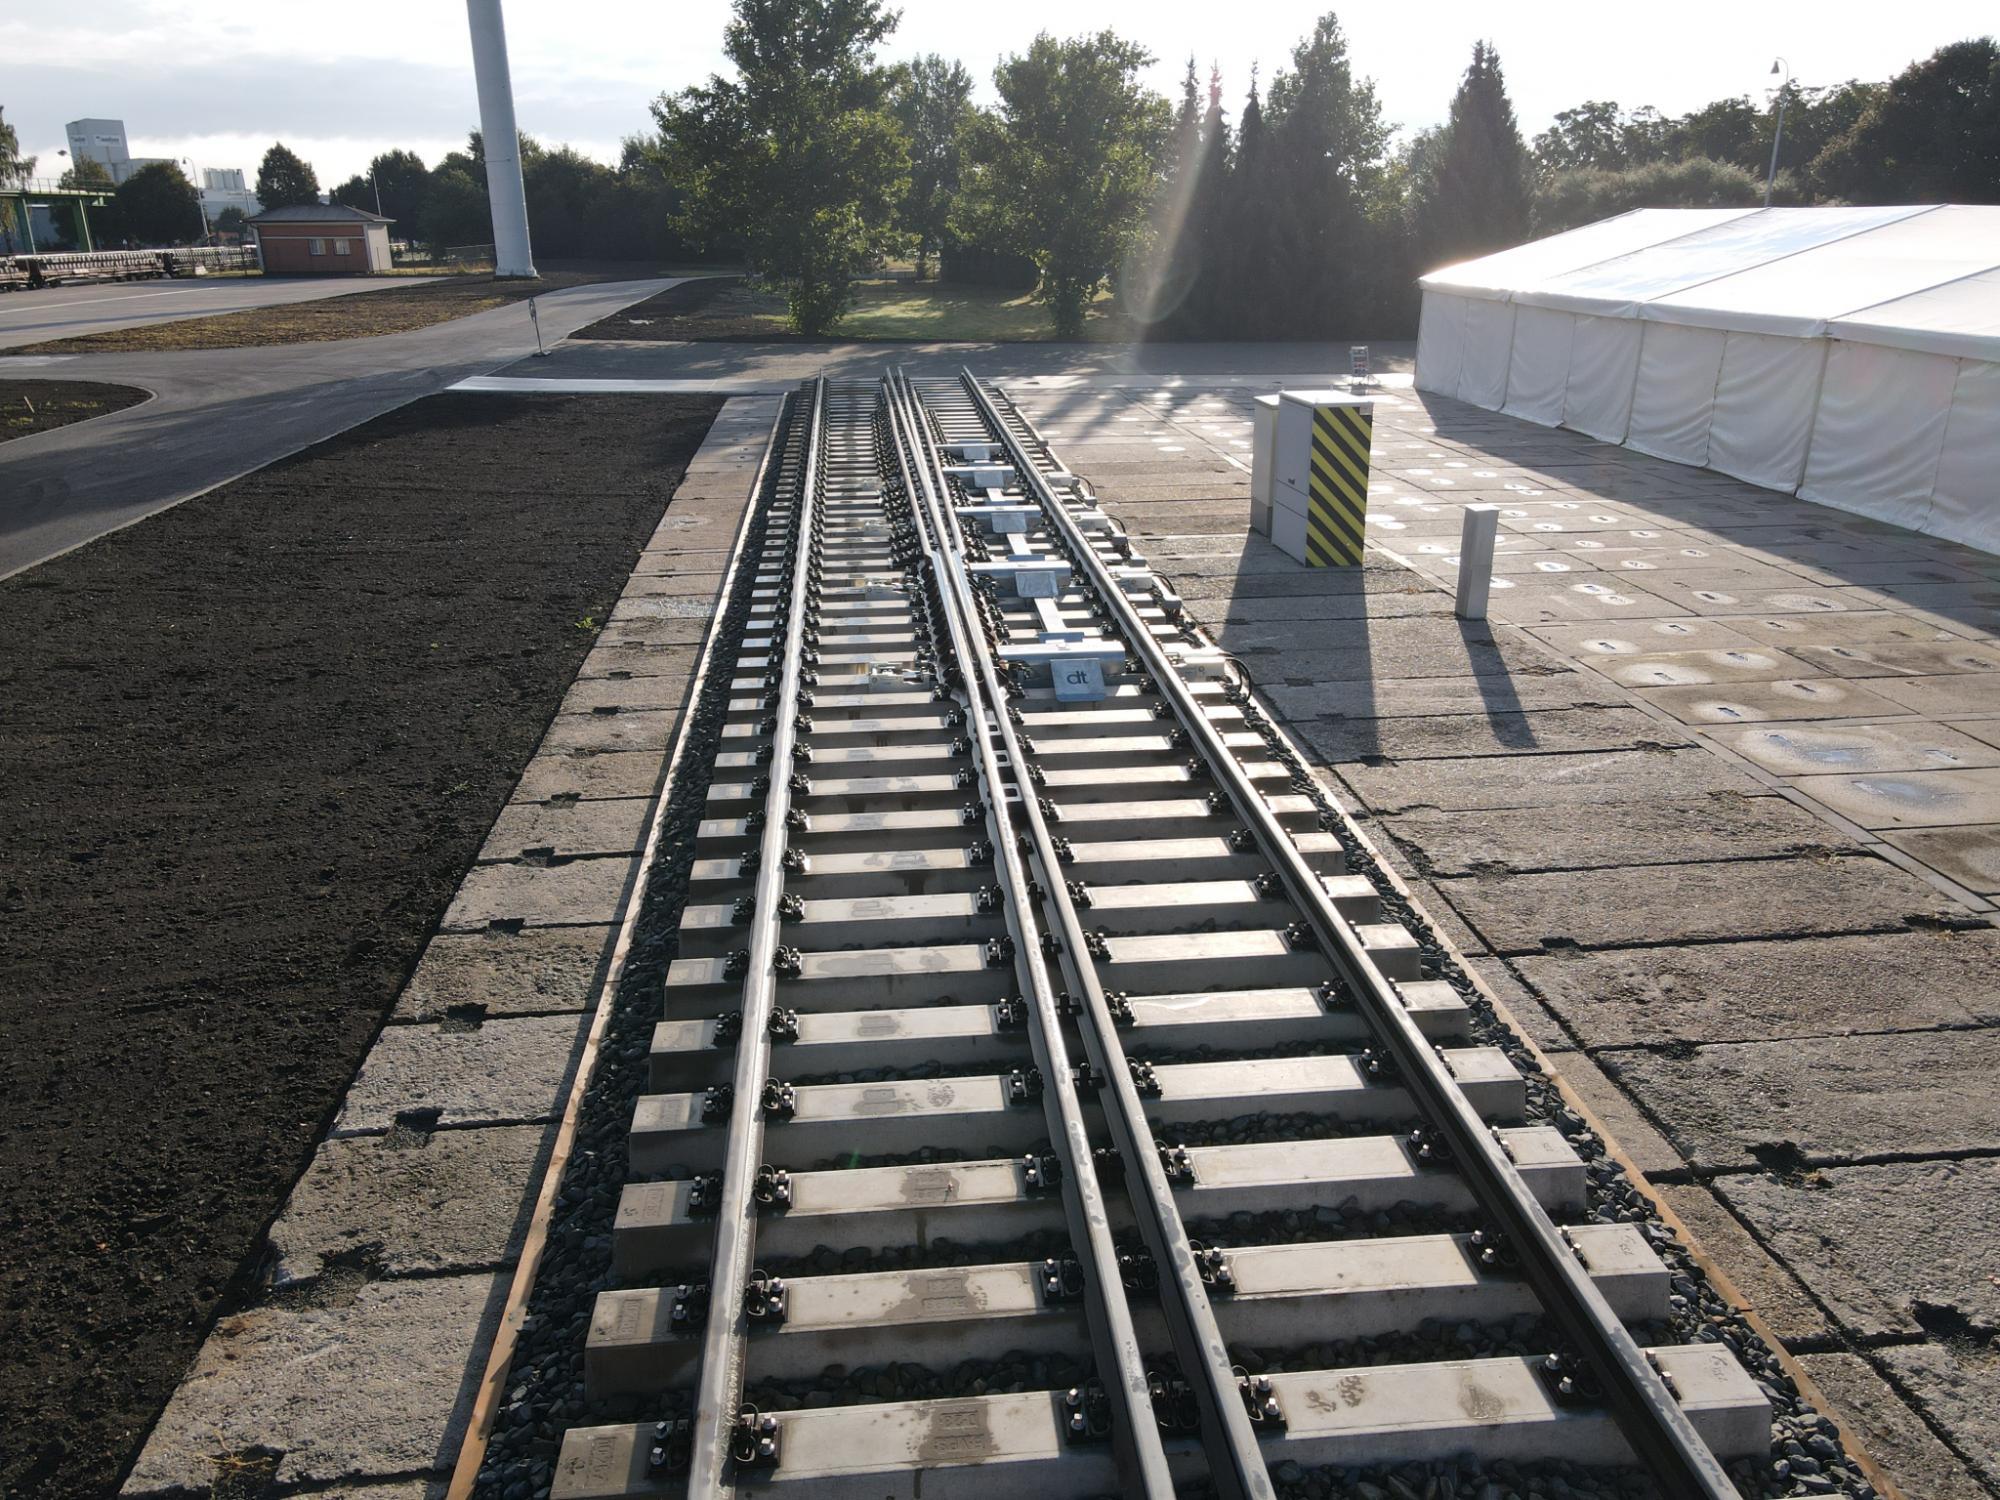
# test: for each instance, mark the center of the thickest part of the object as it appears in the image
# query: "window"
(343, 247)
(315, 247)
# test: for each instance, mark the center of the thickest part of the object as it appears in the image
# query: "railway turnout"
(1041, 1040)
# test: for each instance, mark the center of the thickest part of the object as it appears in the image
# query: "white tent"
(1851, 355)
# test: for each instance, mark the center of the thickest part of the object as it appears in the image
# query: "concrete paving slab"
(1303, 698)
(1750, 991)
(1902, 658)
(589, 695)
(1970, 856)
(567, 830)
(1612, 833)
(1777, 601)
(1910, 799)
(1757, 702)
(1691, 668)
(1890, 1432)
(1553, 604)
(1637, 1137)
(632, 773)
(1819, 749)
(1958, 1388)
(1633, 637)
(507, 1072)
(657, 629)
(450, 1201)
(1885, 1248)
(1944, 697)
(618, 664)
(1443, 736)
(394, 1350)
(529, 972)
(1828, 1100)
(639, 729)
(1620, 908)
(1765, 1285)
(1555, 780)
(575, 893)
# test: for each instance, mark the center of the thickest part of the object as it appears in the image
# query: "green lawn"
(887, 308)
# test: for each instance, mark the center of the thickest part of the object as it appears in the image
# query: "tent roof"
(1614, 288)
(1960, 319)
(1913, 277)
(1497, 276)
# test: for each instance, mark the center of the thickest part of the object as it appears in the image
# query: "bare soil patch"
(28, 406)
(251, 745)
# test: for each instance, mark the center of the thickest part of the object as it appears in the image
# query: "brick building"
(322, 239)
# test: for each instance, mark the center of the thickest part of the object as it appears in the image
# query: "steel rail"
(1648, 1413)
(1121, 1361)
(724, 1335)
(1236, 1461)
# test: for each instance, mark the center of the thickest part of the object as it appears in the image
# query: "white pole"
(511, 254)
(1475, 560)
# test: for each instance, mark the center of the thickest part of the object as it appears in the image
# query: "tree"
(1932, 137)
(1330, 148)
(1469, 194)
(1587, 136)
(1250, 210)
(797, 156)
(1068, 163)
(1726, 130)
(14, 167)
(562, 185)
(283, 180)
(1206, 231)
(156, 205)
(87, 172)
(395, 185)
(230, 221)
(932, 100)
(455, 209)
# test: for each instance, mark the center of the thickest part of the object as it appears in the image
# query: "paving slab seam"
(453, 1334)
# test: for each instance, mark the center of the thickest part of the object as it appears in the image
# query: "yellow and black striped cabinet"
(1320, 494)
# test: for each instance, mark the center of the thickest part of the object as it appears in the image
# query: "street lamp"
(1778, 135)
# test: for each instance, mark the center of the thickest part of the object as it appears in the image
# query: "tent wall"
(1965, 505)
(1879, 432)
(1441, 343)
(1603, 361)
(1489, 349)
(1765, 396)
(1674, 396)
(1851, 356)
(1538, 371)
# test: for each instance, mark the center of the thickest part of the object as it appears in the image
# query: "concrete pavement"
(221, 413)
(61, 312)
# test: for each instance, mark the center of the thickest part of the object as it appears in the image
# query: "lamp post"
(1778, 135)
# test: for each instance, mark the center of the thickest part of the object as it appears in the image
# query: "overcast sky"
(216, 81)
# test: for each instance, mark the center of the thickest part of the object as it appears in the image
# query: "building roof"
(318, 213)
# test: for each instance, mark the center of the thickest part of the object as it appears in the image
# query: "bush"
(1585, 195)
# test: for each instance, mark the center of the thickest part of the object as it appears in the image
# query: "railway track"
(1044, 1096)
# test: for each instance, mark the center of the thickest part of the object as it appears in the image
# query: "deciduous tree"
(796, 157)
(156, 205)
(14, 167)
(284, 180)
(932, 100)
(1069, 162)
(85, 173)
(1932, 137)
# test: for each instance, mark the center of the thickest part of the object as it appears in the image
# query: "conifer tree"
(1472, 193)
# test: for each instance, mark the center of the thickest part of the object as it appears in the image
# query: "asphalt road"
(60, 312)
(221, 413)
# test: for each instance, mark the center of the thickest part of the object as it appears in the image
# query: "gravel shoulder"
(31, 406)
(253, 744)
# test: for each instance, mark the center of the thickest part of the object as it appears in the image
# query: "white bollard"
(1475, 560)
